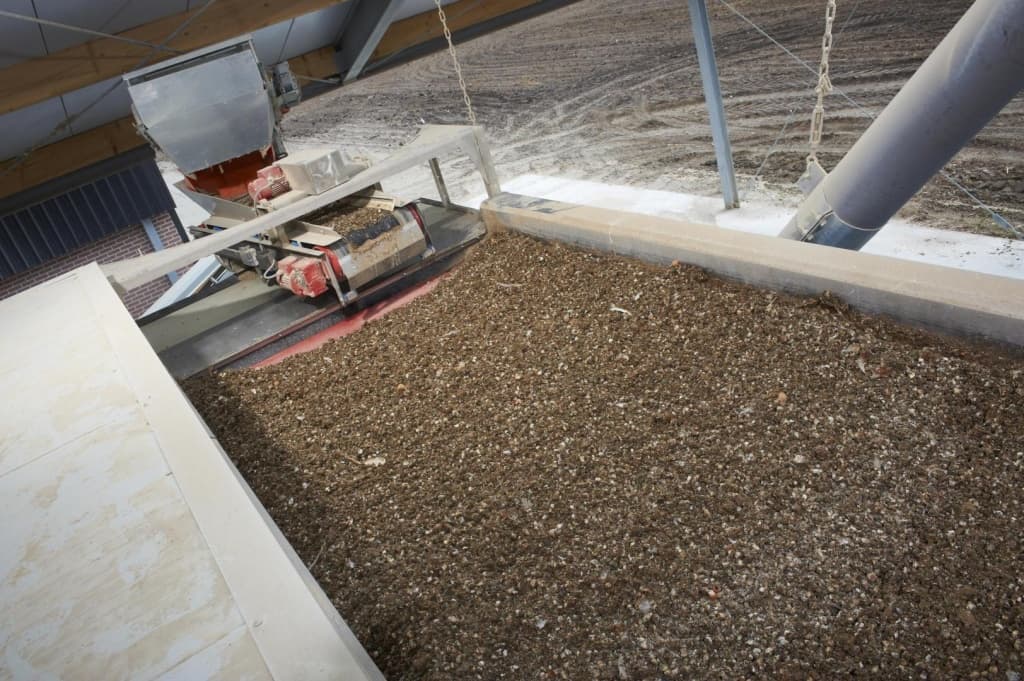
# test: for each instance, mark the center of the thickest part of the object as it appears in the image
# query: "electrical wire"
(771, 150)
(284, 43)
(849, 17)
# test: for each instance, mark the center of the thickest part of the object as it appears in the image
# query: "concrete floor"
(131, 547)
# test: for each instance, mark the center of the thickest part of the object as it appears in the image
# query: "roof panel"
(412, 7)
(267, 42)
(19, 40)
(113, 106)
(111, 16)
(309, 32)
(30, 126)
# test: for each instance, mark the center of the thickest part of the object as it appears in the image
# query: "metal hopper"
(207, 107)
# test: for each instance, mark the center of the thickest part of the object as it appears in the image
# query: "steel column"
(973, 73)
(157, 243)
(713, 97)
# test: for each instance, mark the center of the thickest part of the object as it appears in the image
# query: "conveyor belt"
(243, 323)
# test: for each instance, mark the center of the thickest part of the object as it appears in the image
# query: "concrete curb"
(938, 298)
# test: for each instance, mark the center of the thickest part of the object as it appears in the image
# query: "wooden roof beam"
(426, 26)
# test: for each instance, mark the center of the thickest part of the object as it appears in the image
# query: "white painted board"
(131, 548)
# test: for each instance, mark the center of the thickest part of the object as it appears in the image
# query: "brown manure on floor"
(573, 466)
(346, 218)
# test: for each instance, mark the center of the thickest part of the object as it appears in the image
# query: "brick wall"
(128, 243)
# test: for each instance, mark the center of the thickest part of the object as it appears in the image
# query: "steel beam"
(713, 97)
(973, 73)
(366, 24)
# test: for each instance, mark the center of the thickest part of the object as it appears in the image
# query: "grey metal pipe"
(972, 74)
(713, 97)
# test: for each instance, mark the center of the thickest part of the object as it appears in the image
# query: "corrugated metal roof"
(59, 217)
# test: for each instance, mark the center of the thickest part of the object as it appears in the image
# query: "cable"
(87, 31)
(771, 150)
(996, 217)
(284, 43)
(853, 13)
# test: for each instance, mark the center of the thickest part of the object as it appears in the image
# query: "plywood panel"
(317, 64)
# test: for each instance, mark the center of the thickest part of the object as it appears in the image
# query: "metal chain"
(455, 61)
(824, 83)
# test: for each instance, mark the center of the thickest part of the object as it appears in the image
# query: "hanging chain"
(824, 83)
(455, 61)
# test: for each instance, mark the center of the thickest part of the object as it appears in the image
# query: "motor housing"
(360, 257)
(303, 276)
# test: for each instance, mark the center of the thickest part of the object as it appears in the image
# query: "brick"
(127, 243)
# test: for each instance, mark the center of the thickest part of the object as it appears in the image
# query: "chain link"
(455, 61)
(824, 85)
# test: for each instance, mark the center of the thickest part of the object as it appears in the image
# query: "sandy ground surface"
(565, 465)
(610, 91)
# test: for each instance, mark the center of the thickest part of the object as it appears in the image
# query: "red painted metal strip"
(352, 324)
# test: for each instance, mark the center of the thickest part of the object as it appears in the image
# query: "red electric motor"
(302, 276)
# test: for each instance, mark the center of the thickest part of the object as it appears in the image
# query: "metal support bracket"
(811, 178)
(442, 188)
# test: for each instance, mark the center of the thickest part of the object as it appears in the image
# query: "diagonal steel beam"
(975, 71)
(366, 24)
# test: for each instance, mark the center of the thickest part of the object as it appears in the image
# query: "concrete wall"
(127, 243)
(939, 298)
